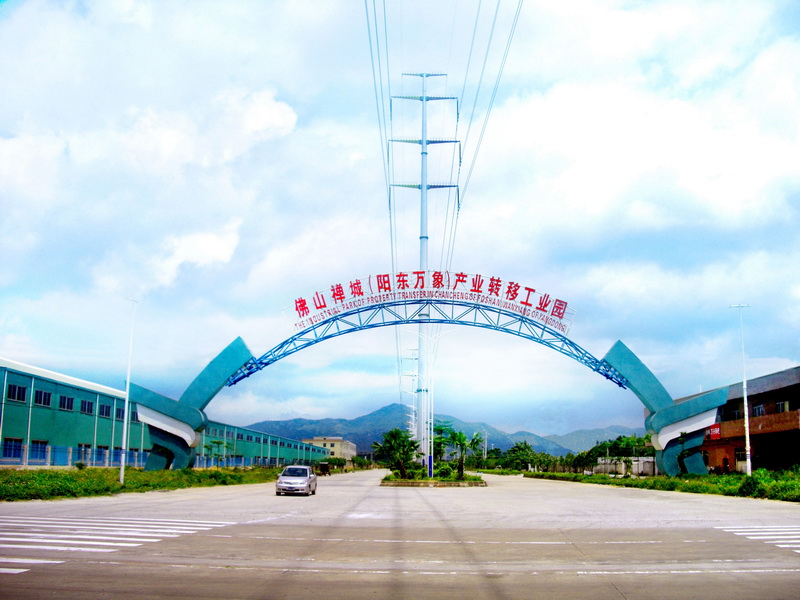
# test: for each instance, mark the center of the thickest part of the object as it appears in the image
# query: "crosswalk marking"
(57, 548)
(71, 541)
(782, 536)
(91, 534)
(79, 536)
(28, 561)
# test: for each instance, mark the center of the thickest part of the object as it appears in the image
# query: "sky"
(215, 161)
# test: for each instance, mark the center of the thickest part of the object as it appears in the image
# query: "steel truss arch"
(446, 312)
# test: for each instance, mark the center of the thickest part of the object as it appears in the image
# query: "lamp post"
(125, 417)
(749, 466)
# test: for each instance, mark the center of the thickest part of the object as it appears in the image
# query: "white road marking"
(58, 548)
(79, 536)
(465, 542)
(28, 561)
(93, 534)
(781, 536)
(70, 541)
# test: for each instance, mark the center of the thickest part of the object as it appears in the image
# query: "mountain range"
(369, 428)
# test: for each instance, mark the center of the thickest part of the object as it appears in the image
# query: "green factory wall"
(62, 421)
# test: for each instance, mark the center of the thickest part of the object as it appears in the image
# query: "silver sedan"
(296, 479)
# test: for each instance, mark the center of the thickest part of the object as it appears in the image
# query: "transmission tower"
(423, 398)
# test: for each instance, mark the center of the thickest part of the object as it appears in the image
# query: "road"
(516, 538)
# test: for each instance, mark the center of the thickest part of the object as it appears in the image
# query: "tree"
(519, 456)
(216, 450)
(463, 445)
(337, 462)
(441, 435)
(398, 450)
(360, 462)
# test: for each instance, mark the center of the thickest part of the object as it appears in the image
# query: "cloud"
(218, 161)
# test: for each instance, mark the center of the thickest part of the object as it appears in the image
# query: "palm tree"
(398, 449)
(463, 445)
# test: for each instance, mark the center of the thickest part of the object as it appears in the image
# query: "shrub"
(48, 484)
(443, 471)
(762, 484)
(752, 486)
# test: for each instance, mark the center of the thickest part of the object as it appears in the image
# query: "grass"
(44, 484)
(500, 471)
(783, 485)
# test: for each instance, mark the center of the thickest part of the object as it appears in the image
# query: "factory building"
(52, 419)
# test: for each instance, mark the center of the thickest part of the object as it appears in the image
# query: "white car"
(296, 479)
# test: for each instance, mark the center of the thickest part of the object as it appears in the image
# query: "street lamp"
(749, 466)
(127, 399)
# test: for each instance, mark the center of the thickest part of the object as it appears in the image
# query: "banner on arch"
(373, 290)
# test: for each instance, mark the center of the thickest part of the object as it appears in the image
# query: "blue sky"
(218, 160)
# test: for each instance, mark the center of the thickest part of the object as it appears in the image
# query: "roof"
(59, 377)
(759, 385)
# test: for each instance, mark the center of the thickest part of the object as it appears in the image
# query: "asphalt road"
(517, 538)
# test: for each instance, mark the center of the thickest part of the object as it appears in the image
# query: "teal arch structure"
(677, 428)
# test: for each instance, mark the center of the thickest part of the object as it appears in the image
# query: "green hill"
(584, 439)
(365, 430)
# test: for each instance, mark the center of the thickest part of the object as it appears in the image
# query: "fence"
(642, 466)
(39, 455)
(204, 462)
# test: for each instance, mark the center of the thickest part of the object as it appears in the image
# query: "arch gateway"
(677, 429)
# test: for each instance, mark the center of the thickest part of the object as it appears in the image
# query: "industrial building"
(52, 419)
(773, 404)
(336, 445)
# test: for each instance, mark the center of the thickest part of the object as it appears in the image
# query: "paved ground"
(517, 538)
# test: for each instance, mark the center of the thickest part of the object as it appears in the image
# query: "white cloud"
(201, 249)
(30, 168)
(219, 160)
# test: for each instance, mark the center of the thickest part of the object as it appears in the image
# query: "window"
(84, 453)
(239, 436)
(38, 450)
(105, 410)
(258, 440)
(66, 403)
(87, 407)
(120, 414)
(249, 438)
(16, 392)
(134, 416)
(12, 448)
(102, 453)
(41, 398)
(782, 406)
(274, 442)
(758, 410)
